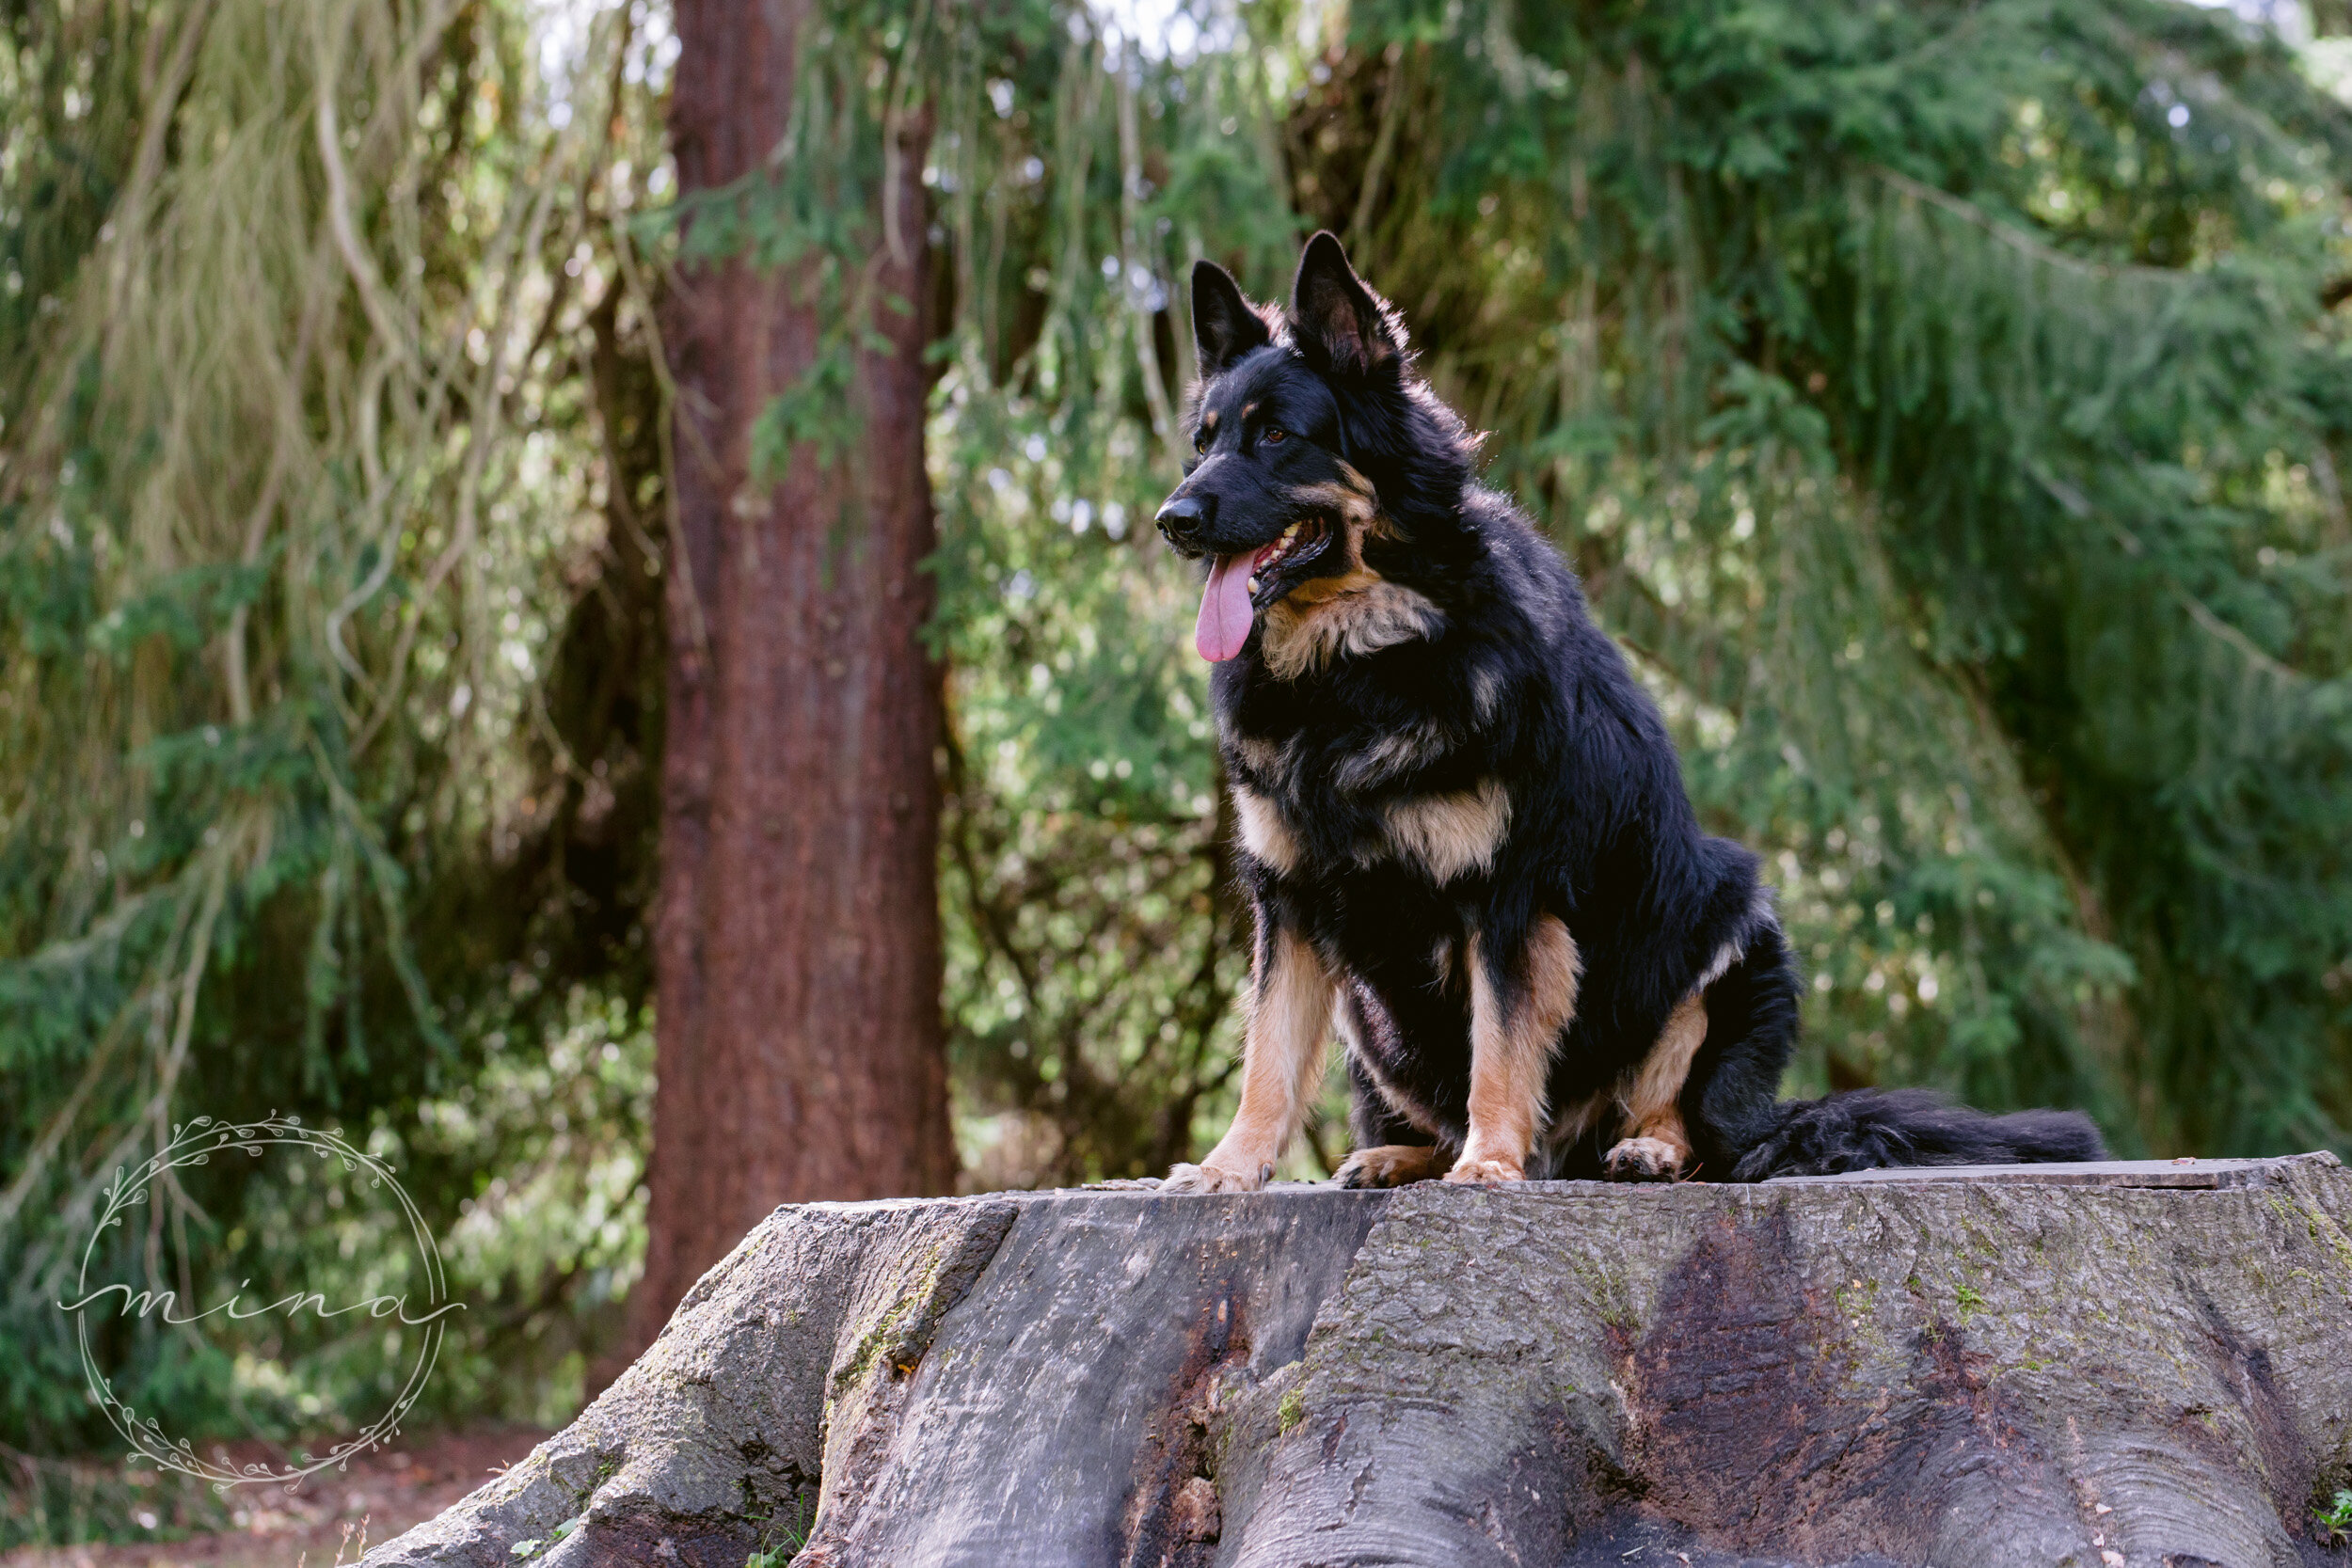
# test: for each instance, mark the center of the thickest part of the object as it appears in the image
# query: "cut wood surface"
(2099, 1366)
(2091, 1173)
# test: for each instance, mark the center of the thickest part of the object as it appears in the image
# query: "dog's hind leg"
(1396, 1141)
(1282, 1053)
(1519, 1003)
(1732, 1103)
(1393, 1166)
(1657, 1147)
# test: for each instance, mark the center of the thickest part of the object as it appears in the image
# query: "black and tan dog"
(1464, 829)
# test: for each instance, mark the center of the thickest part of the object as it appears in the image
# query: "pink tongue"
(1224, 624)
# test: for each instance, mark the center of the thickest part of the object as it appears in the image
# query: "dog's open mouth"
(1300, 543)
(1242, 583)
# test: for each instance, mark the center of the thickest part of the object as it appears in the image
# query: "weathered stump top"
(2136, 1362)
(2091, 1173)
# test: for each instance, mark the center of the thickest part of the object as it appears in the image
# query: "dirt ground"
(327, 1517)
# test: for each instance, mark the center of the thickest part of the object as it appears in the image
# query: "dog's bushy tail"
(1868, 1129)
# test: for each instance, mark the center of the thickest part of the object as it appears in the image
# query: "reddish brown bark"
(797, 959)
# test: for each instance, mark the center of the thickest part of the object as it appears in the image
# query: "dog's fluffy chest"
(1325, 805)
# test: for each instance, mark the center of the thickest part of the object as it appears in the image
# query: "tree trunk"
(2045, 1365)
(798, 958)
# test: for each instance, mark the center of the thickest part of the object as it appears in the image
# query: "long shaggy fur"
(1865, 1128)
(1439, 761)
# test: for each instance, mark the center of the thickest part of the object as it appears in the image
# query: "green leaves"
(1923, 404)
(1922, 389)
(321, 481)
(1938, 400)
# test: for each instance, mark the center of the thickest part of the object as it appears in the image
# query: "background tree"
(796, 945)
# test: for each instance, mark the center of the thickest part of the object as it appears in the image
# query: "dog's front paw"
(1389, 1165)
(1644, 1160)
(1217, 1178)
(1487, 1173)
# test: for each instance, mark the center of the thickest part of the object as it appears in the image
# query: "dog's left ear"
(1337, 323)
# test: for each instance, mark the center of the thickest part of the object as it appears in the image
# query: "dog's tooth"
(1291, 532)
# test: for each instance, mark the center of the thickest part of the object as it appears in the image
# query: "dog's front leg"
(1519, 1001)
(1289, 1028)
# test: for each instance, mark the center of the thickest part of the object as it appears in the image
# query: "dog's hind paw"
(1487, 1173)
(1215, 1178)
(1644, 1160)
(1390, 1165)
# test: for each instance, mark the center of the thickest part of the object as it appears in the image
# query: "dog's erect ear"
(1224, 328)
(1340, 325)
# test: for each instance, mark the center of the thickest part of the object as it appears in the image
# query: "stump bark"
(2109, 1367)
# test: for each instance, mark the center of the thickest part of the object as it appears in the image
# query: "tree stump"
(2132, 1363)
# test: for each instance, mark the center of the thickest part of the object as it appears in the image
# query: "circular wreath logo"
(194, 1144)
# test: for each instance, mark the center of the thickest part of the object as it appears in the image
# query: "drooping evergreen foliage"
(1943, 404)
(1982, 352)
(1943, 401)
(329, 698)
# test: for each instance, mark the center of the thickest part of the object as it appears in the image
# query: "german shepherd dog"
(1464, 832)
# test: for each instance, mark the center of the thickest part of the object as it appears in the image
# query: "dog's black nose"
(1182, 518)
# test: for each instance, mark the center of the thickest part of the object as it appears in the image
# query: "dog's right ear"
(1337, 323)
(1224, 328)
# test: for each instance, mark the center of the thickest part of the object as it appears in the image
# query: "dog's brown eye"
(1201, 443)
(1274, 438)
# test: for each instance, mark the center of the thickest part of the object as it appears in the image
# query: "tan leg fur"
(1392, 1165)
(1511, 1053)
(1282, 1055)
(1657, 1147)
